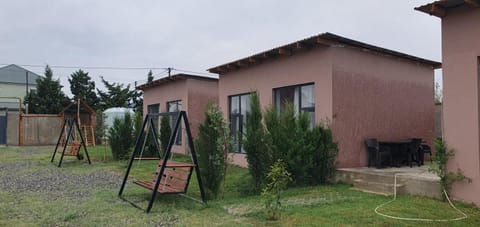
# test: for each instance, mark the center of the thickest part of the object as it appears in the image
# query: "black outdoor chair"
(412, 151)
(422, 150)
(376, 153)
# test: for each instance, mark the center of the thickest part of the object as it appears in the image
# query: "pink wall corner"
(172, 91)
(238, 159)
(377, 96)
(305, 67)
(200, 93)
(461, 88)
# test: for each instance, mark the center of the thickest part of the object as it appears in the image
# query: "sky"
(122, 39)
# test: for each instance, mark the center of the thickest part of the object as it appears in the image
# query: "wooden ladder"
(89, 135)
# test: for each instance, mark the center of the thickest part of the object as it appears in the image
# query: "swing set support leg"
(58, 141)
(194, 156)
(164, 163)
(70, 124)
(137, 143)
(83, 141)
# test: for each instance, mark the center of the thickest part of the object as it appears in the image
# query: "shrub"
(165, 133)
(137, 124)
(324, 154)
(121, 137)
(211, 146)
(149, 148)
(258, 157)
(300, 151)
(308, 152)
(439, 167)
(278, 177)
(100, 127)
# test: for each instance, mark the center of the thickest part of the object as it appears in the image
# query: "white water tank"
(115, 112)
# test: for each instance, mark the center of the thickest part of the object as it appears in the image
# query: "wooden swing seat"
(74, 148)
(174, 180)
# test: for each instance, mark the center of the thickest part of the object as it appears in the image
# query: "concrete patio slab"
(413, 181)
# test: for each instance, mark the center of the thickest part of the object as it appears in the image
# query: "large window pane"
(301, 96)
(234, 104)
(154, 109)
(175, 106)
(245, 107)
(307, 96)
(239, 109)
(283, 96)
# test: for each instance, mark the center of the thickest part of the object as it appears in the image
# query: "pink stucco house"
(461, 89)
(187, 92)
(362, 90)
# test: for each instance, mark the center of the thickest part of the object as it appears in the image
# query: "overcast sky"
(194, 35)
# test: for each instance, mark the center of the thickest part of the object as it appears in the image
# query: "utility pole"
(26, 93)
(26, 83)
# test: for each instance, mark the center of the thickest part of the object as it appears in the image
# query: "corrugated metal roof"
(16, 74)
(324, 39)
(439, 8)
(164, 80)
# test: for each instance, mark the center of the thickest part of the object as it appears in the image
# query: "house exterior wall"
(194, 93)
(174, 90)
(378, 96)
(12, 90)
(461, 100)
(200, 93)
(305, 67)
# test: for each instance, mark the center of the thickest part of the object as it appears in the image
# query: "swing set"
(170, 177)
(68, 138)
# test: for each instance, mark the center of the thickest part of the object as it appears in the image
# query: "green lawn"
(35, 192)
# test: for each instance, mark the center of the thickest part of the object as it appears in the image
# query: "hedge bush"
(165, 133)
(309, 153)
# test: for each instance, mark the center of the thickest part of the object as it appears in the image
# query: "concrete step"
(349, 177)
(414, 181)
(377, 187)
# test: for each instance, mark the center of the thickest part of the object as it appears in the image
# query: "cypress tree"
(258, 157)
(211, 146)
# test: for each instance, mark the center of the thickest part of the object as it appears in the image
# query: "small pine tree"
(278, 178)
(210, 146)
(165, 133)
(258, 157)
(82, 86)
(121, 137)
(48, 97)
(309, 153)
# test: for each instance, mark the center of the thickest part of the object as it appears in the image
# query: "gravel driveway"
(52, 181)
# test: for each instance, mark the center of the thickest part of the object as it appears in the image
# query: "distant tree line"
(48, 98)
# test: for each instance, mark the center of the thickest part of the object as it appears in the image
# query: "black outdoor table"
(398, 150)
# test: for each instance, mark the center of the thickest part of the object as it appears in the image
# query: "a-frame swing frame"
(138, 148)
(71, 123)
